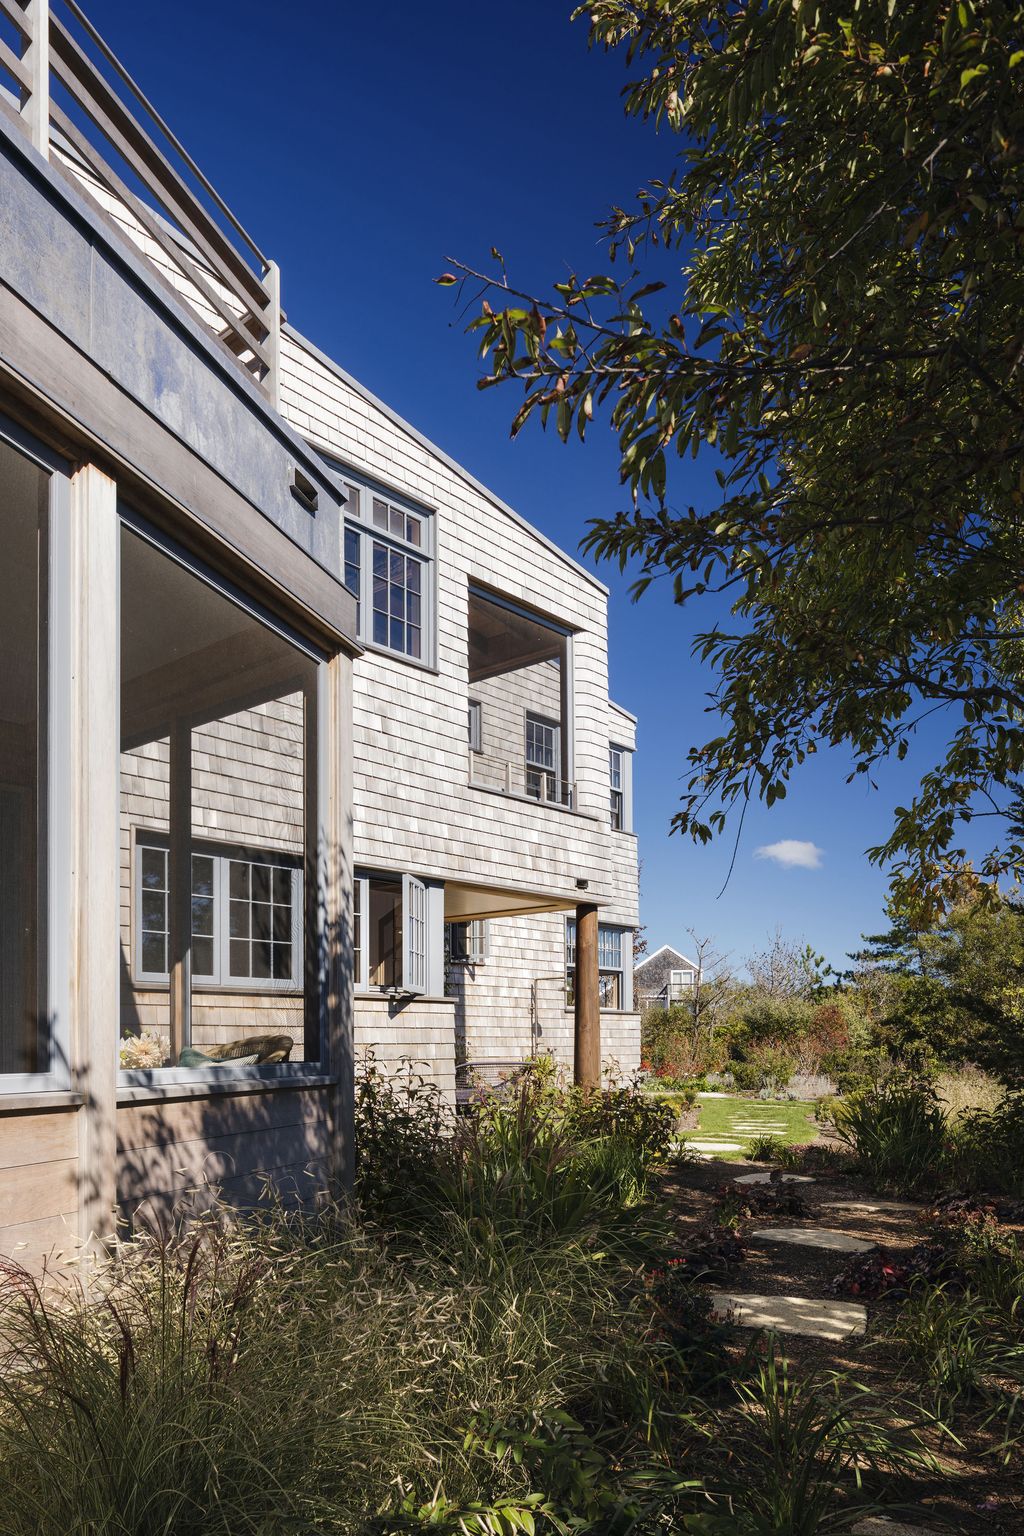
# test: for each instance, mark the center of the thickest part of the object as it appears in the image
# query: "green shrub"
(898, 1135)
(986, 1150)
(772, 1149)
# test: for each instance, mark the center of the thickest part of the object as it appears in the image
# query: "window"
(679, 983)
(386, 557)
(620, 787)
(616, 780)
(256, 948)
(543, 765)
(390, 933)
(219, 871)
(466, 943)
(612, 980)
(476, 724)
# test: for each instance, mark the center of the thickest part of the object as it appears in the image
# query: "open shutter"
(414, 928)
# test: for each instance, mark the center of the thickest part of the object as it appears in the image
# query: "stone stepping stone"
(766, 1178)
(792, 1314)
(715, 1146)
(712, 1093)
(814, 1237)
(874, 1207)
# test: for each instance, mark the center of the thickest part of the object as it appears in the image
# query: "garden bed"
(975, 1490)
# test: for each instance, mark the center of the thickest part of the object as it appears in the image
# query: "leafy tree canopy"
(842, 204)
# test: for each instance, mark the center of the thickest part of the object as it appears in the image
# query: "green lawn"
(732, 1120)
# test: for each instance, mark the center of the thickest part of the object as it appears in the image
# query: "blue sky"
(362, 146)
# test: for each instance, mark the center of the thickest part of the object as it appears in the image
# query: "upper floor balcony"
(520, 717)
(81, 109)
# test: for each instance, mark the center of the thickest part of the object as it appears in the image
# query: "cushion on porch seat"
(191, 1058)
(267, 1049)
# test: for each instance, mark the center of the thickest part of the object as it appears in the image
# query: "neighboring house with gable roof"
(665, 977)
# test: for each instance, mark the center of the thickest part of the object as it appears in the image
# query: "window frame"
(621, 793)
(472, 948)
(535, 718)
(475, 721)
(416, 926)
(317, 960)
(359, 522)
(623, 972)
(54, 780)
(223, 855)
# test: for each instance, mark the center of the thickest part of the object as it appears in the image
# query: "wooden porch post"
(587, 1041)
(180, 886)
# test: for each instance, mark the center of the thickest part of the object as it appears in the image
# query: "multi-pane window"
(353, 564)
(397, 601)
(542, 757)
(261, 921)
(616, 779)
(245, 919)
(153, 917)
(386, 556)
(466, 943)
(611, 980)
(390, 938)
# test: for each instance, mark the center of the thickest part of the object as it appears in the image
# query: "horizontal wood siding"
(178, 1157)
(38, 1186)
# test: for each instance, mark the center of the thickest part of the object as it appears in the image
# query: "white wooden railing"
(84, 113)
(520, 780)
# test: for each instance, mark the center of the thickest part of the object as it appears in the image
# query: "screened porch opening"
(24, 1046)
(218, 819)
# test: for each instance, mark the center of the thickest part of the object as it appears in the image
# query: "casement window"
(390, 933)
(246, 919)
(543, 757)
(620, 787)
(613, 980)
(466, 943)
(476, 724)
(387, 559)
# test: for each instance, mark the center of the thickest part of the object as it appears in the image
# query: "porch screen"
(24, 1046)
(218, 874)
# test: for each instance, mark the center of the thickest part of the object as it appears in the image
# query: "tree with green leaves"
(824, 287)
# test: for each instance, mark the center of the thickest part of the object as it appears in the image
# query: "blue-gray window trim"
(425, 554)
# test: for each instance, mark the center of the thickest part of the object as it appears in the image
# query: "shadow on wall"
(266, 1138)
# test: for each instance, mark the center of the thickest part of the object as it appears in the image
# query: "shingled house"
(663, 978)
(305, 737)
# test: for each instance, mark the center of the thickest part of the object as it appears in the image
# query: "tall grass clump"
(897, 1134)
(963, 1340)
(803, 1457)
(299, 1376)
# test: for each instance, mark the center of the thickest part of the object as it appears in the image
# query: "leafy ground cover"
(729, 1119)
(512, 1330)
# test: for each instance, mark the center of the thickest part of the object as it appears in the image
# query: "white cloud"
(791, 853)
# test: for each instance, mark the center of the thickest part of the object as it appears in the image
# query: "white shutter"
(414, 934)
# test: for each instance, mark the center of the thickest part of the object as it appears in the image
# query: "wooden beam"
(179, 880)
(587, 1009)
